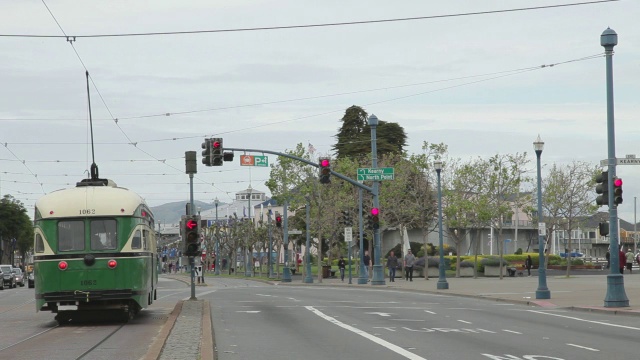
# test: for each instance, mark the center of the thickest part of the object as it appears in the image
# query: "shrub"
(466, 264)
(519, 251)
(493, 261)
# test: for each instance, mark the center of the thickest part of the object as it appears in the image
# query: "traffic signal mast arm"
(338, 175)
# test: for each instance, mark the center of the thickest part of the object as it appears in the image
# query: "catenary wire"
(303, 26)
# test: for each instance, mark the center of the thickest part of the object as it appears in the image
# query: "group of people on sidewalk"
(392, 265)
(624, 259)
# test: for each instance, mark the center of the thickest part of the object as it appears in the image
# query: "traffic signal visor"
(617, 191)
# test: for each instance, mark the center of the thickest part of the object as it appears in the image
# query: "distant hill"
(170, 213)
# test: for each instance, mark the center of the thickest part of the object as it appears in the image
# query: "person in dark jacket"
(608, 256)
(392, 264)
(342, 265)
(622, 259)
(528, 264)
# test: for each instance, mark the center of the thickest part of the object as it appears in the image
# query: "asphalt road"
(27, 334)
(252, 320)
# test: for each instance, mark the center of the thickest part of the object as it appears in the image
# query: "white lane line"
(511, 331)
(407, 320)
(263, 295)
(583, 347)
(430, 312)
(465, 322)
(249, 311)
(585, 320)
(395, 348)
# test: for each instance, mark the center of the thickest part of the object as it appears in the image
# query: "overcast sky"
(403, 72)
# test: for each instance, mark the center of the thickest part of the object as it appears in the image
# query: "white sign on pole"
(348, 234)
(542, 229)
(294, 232)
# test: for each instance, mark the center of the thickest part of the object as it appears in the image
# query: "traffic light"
(217, 152)
(227, 156)
(602, 188)
(191, 231)
(346, 218)
(617, 190)
(206, 153)
(278, 220)
(325, 170)
(604, 228)
(375, 219)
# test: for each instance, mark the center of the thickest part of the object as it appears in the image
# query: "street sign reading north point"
(377, 174)
(254, 160)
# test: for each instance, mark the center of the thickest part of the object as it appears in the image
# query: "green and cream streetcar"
(95, 251)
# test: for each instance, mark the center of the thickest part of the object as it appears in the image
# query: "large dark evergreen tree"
(354, 136)
(14, 224)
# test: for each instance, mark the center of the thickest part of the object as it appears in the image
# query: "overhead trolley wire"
(303, 26)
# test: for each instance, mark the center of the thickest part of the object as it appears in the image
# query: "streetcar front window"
(103, 234)
(71, 235)
(137, 240)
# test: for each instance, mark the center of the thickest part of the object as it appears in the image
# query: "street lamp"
(543, 291)
(269, 262)
(442, 279)
(249, 260)
(308, 279)
(217, 261)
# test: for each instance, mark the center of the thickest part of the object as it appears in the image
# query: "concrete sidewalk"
(579, 292)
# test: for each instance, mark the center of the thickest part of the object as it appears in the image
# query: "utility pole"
(191, 167)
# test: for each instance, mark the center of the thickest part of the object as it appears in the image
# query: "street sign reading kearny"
(377, 174)
(628, 160)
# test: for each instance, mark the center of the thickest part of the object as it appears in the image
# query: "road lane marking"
(263, 295)
(379, 313)
(430, 312)
(511, 331)
(465, 322)
(248, 311)
(407, 319)
(585, 320)
(395, 348)
(583, 347)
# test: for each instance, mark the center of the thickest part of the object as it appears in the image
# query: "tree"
(568, 197)
(14, 224)
(354, 136)
(502, 176)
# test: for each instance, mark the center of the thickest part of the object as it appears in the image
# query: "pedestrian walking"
(392, 264)
(342, 265)
(608, 256)
(528, 264)
(366, 261)
(409, 259)
(630, 259)
(622, 259)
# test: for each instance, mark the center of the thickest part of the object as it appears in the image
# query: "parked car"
(19, 276)
(8, 276)
(573, 254)
(31, 279)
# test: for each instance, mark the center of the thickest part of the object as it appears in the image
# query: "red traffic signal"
(278, 220)
(325, 170)
(375, 219)
(191, 224)
(617, 191)
(216, 144)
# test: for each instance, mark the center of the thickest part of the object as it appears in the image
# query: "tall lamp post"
(308, 279)
(269, 260)
(543, 291)
(442, 279)
(217, 261)
(616, 296)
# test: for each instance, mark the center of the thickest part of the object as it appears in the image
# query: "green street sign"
(377, 174)
(254, 160)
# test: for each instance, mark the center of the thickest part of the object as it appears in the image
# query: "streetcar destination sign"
(377, 174)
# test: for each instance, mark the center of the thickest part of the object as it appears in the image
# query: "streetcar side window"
(103, 234)
(145, 239)
(39, 244)
(71, 235)
(136, 243)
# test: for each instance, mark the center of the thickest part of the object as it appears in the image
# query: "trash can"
(326, 271)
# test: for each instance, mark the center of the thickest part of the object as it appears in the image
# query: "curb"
(207, 340)
(156, 348)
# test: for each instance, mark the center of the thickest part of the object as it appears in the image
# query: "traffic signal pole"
(378, 270)
(616, 296)
(191, 168)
